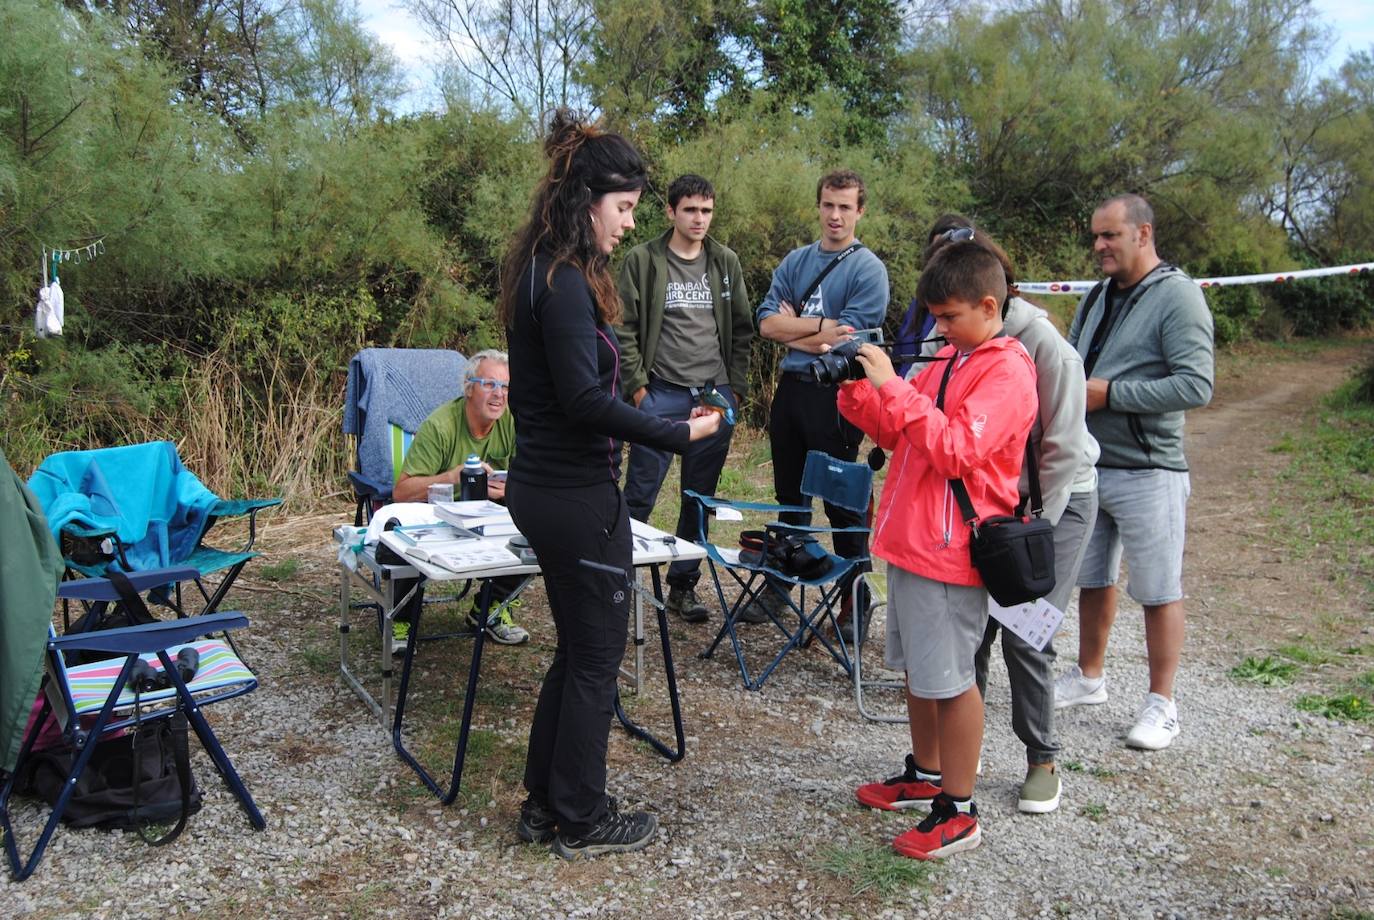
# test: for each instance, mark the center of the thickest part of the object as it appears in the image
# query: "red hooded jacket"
(990, 404)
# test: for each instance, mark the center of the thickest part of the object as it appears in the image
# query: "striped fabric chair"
(99, 691)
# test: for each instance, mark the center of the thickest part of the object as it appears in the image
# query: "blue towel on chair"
(400, 386)
(141, 492)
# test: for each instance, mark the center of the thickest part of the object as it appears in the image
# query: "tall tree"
(521, 54)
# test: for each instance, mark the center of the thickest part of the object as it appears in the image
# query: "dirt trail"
(1243, 583)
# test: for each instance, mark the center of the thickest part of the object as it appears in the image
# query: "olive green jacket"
(643, 290)
(30, 567)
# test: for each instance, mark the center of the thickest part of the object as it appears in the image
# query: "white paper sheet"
(1035, 622)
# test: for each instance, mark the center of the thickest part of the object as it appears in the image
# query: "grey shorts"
(933, 632)
(1143, 513)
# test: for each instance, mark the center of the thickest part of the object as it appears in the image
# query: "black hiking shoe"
(684, 603)
(537, 823)
(615, 833)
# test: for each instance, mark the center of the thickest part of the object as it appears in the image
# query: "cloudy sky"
(1351, 20)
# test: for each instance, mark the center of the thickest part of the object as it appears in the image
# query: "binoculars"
(146, 679)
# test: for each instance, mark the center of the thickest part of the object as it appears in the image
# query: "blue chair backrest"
(395, 387)
(840, 482)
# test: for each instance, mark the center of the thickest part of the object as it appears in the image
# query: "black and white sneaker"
(538, 823)
(615, 833)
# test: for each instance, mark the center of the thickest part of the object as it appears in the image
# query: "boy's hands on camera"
(877, 364)
(703, 422)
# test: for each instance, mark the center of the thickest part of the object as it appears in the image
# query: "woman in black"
(558, 303)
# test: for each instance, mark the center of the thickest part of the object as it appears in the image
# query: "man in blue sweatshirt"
(1145, 335)
(852, 295)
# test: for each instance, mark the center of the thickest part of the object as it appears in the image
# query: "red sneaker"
(902, 791)
(944, 831)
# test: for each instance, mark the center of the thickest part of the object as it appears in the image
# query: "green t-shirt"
(444, 441)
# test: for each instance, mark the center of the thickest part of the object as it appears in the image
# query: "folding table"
(377, 581)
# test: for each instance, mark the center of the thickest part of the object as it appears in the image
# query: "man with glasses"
(475, 423)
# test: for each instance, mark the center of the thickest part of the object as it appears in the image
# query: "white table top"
(650, 545)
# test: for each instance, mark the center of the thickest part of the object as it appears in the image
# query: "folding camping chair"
(836, 481)
(876, 587)
(136, 507)
(101, 689)
(390, 391)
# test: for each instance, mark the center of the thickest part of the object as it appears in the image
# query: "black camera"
(841, 362)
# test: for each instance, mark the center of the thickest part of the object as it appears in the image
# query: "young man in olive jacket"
(686, 328)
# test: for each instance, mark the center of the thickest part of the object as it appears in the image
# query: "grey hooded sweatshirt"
(1158, 355)
(1065, 453)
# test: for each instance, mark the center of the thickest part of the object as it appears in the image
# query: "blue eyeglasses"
(488, 384)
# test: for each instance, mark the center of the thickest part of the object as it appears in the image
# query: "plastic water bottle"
(472, 482)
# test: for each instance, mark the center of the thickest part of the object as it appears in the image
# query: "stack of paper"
(484, 517)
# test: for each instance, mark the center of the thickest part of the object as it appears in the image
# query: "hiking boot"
(907, 789)
(758, 609)
(614, 833)
(500, 626)
(1073, 689)
(538, 824)
(400, 635)
(944, 831)
(684, 603)
(1040, 791)
(1156, 725)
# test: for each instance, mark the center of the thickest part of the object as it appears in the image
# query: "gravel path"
(1256, 810)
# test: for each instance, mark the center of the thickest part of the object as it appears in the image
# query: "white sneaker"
(1073, 689)
(1156, 726)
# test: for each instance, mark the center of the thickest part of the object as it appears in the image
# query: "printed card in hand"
(1035, 621)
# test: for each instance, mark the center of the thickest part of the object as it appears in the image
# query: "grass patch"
(1366, 680)
(1343, 707)
(1266, 671)
(877, 869)
(1094, 811)
(1102, 772)
(1304, 654)
(1329, 486)
(280, 571)
(1074, 766)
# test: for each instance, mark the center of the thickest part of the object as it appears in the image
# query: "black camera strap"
(961, 491)
(830, 267)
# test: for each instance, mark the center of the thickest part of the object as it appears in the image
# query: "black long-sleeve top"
(566, 384)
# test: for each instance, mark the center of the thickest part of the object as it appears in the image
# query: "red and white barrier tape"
(1079, 287)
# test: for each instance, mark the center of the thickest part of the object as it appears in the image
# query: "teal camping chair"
(836, 481)
(136, 507)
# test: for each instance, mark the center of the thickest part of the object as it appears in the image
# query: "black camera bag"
(1014, 555)
(107, 794)
(796, 554)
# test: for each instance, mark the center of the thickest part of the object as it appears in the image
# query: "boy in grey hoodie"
(1145, 335)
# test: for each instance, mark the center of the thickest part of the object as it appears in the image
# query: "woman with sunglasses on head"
(559, 303)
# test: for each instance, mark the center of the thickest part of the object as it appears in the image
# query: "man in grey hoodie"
(1145, 335)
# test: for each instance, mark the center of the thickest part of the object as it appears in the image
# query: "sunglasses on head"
(956, 235)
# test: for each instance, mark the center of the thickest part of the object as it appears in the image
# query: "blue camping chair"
(390, 391)
(836, 481)
(100, 689)
(136, 507)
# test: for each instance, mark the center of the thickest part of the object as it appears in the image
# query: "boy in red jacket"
(937, 606)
